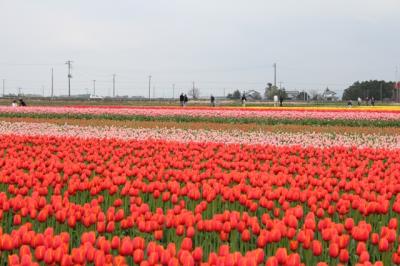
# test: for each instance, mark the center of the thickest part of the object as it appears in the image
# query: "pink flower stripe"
(209, 112)
(204, 136)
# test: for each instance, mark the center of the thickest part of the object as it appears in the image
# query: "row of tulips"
(68, 200)
(303, 139)
(219, 114)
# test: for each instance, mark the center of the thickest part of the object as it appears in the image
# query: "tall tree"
(267, 90)
(271, 91)
(370, 88)
(235, 95)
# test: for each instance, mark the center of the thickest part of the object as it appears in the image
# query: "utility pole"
(173, 91)
(224, 93)
(43, 90)
(114, 85)
(274, 74)
(52, 83)
(69, 76)
(149, 86)
(94, 87)
(4, 88)
(193, 90)
(397, 89)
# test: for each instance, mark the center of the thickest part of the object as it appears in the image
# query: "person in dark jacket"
(212, 99)
(21, 102)
(281, 101)
(181, 99)
(244, 100)
(185, 100)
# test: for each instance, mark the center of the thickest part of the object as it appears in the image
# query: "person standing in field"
(281, 101)
(21, 102)
(14, 103)
(181, 99)
(349, 104)
(185, 100)
(276, 100)
(359, 101)
(244, 100)
(212, 99)
(372, 101)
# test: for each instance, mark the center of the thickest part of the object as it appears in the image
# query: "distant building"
(329, 96)
(292, 95)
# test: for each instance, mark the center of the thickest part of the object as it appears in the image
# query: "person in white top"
(359, 101)
(276, 100)
(14, 103)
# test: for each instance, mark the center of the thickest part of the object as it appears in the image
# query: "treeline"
(379, 89)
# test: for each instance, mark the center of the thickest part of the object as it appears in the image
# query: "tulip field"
(199, 186)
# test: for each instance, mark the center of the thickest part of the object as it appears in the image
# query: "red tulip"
(281, 255)
(198, 254)
(138, 256)
(364, 257)
(293, 260)
(383, 245)
(272, 261)
(333, 250)
(126, 247)
(48, 256)
(245, 235)
(158, 234)
(78, 255)
(138, 243)
(316, 247)
(343, 255)
(39, 253)
(186, 244)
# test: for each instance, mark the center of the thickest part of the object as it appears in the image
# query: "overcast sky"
(215, 43)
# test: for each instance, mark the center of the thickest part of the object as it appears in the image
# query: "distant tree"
(282, 93)
(235, 95)
(271, 91)
(371, 88)
(194, 93)
(252, 94)
(267, 90)
(315, 95)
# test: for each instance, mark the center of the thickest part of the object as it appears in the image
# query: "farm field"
(118, 185)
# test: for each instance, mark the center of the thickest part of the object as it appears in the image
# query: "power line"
(32, 64)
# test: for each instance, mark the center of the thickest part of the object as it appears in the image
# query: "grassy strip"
(229, 120)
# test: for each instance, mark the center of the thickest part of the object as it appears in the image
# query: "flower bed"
(268, 113)
(71, 201)
(288, 139)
